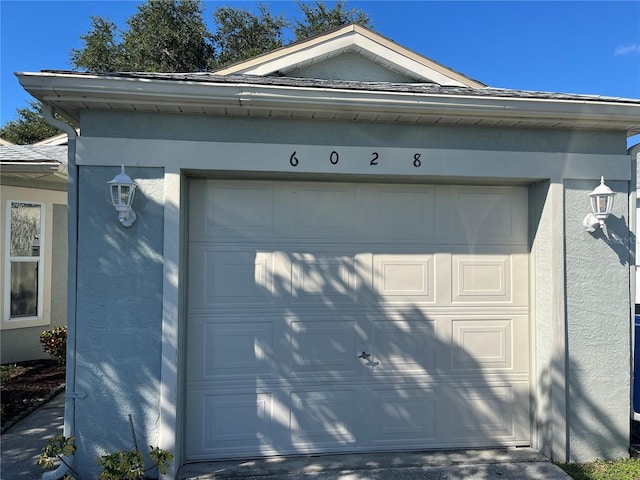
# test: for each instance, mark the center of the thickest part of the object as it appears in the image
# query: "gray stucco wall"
(320, 132)
(541, 287)
(22, 344)
(119, 316)
(121, 374)
(598, 326)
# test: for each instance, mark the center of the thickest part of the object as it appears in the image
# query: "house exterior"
(33, 247)
(343, 246)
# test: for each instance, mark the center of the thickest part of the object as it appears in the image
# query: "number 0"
(333, 158)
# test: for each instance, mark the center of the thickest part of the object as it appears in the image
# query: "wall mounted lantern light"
(601, 205)
(123, 190)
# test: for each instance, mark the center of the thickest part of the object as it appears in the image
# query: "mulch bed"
(27, 385)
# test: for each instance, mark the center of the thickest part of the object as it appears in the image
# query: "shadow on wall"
(311, 359)
(119, 317)
(618, 236)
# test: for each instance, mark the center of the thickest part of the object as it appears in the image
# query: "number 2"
(374, 160)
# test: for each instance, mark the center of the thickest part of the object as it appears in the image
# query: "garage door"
(334, 317)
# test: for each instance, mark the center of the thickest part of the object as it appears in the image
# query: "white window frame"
(9, 259)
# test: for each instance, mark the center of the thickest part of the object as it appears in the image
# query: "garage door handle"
(365, 356)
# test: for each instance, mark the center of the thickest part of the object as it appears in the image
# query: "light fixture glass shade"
(601, 201)
(123, 190)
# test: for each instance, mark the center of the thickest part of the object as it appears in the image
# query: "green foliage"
(30, 126)
(161, 458)
(171, 36)
(7, 371)
(623, 469)
(129, 464)
(319, 19)
(123, 464)
(58, 448)
(102, 51)
(167, 36)
(162, 36)
(54, 342)
(240, 34)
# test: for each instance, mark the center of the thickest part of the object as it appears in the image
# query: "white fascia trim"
(62, 89)
(28, 167)
(357, 43)
(351, 37)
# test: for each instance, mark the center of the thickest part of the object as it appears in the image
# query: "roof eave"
(69, 93)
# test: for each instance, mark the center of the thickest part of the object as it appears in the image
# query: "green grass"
(623, 469)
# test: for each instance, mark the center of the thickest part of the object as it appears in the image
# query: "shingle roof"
(31, 154)
(418, 88)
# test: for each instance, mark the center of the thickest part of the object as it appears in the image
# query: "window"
(25, 266)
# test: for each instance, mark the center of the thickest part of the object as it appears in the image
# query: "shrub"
(129, 464)
(58, 448)
(54, 342)
(123, 464)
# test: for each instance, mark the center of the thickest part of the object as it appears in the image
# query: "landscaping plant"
(58, 448)
(54, 342)
(123, 464)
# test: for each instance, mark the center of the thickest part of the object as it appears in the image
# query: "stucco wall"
(119, 316)
(115, 262)
(321, 132)
(541, 287)
(598, 326)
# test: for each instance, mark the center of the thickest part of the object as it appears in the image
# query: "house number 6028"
(334, 157)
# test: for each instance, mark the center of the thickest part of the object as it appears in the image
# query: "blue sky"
(571, 47)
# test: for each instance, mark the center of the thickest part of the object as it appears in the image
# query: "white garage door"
(355, 317)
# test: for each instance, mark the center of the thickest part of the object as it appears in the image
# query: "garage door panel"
(323, 417)
(323, 346)
(230, 276)
(236, 348)
(239, 210)
(396, 214)
(326, 277)
(404, 345)
(315, 211)
(484, 414)
(403, 415)
(402, 278)
(225, 345)
(485, 216)
(489, 343)
(488, 278)
(230, 423)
